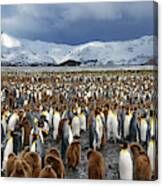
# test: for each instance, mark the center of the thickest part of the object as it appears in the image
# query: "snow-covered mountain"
(15, 51)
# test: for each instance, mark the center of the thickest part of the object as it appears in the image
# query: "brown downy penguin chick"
(96, 166)
(48, 172)
(56, 163)
(10, 164)
(142, 167)
(34, 160)
(135, 149)
(142, 170)
(53, 151)
(19, 170)
(73, 154)
(25, 151)
(27, 168)
(27, 126)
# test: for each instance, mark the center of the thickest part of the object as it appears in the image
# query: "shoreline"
(75, 69)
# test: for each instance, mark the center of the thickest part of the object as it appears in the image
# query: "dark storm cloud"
(78, 23)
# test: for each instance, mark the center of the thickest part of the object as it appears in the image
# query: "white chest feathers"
(82, 122)
(70, 139)
(4, 124)
(125, 165)
(127, 125)
(12, 121)
(33, 147)
(76, 126)
(151, 151)
(56, 120)
(143, 130)
(99, 125)
(7, 151)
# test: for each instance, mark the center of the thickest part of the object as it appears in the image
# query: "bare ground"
(110, 153)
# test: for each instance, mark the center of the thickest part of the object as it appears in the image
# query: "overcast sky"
(80, 22)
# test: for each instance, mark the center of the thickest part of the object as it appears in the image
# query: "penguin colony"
(112, 107)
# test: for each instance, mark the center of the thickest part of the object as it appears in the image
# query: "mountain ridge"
(17, 51)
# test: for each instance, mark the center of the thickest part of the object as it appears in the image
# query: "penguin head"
(42, 118)
(124, 146)
(76, 138)
(16, 111)
(97, 112)
(49, 169)
(82, 111)
(19, 167)
(57, 109)
(89, 153)
(49, 160)
(53, 151)
(12, 156)
(151, 113)
(11, 133)
(41, 123)
(127, 110)
(136, 149)
(75, 112)
(21, 113)
(152, 140)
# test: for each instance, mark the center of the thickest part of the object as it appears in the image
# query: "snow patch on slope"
(9, 41)
(27, 52)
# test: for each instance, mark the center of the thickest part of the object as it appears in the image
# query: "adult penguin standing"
(56, 120)
(44, 125)
(15, 127)
(14, 118)
(112, 124)
(82, 118)
(152, 124)
(17, 138)
(76, 125)
(151, 151)
(9, 147)
(4, 122)
(93, 139)
(65, 135)
(2, 133)
(37, 143)
(125, 163)
(127, 123)
(143, 132)
(99, 128)
(87, 112)
(133, 129)
(122, 119)
(115, 125)
(109, 122)
(47, 117)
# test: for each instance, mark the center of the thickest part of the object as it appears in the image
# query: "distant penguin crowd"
(113, 107)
